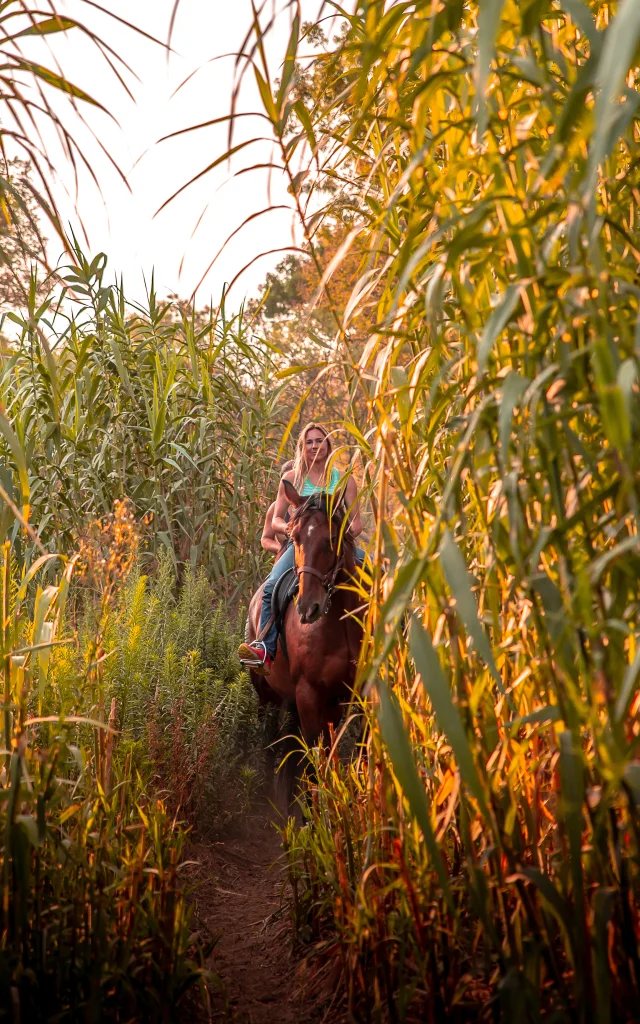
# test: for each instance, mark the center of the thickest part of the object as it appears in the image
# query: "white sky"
(122, 223)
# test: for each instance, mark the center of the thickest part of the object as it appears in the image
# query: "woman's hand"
(280, 511)
(280, 526)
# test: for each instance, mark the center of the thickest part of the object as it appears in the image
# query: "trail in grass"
(241, 877)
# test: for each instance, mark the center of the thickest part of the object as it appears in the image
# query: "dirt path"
(241, 878)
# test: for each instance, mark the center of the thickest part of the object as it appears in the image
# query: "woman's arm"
(353, 508)
(268, 539)
(281, 506)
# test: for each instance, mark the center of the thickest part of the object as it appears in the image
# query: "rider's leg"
(259, 654)
(284, 563)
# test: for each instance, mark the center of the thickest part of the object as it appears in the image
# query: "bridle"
(328, 580)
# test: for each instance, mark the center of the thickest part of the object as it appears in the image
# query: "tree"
(300, 321)
(21, 241)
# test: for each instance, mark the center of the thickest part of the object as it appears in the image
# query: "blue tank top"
(308, 488)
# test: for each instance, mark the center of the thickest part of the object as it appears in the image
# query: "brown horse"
(322, 632)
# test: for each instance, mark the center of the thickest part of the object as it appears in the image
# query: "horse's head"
(321, 546)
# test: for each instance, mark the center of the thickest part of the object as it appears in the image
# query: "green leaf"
(627, 376)
(604, 901)
(398, 744)
(628, 684)
(447, 714)
(532, 14)
(632, 778)
(43, 633)
(29, 824)
(31, 572)
(512, 389)
(53, 376)
(267, 98)
(496, 323)
(550, 894)
(47, 27)
(620, 44)
(460, 583)
(44, 599)
(572, 788)
(43, 652)
(582, 17)
(555, 618)
(289, 64)
(488, 22)
(18, 456)
(305, 121)
(121, 368)
(541, 716)
(58, 82)
(599, 564)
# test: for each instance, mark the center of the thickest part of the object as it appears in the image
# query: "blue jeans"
(286, 561)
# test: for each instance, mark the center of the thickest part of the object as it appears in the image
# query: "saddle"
(283, 593)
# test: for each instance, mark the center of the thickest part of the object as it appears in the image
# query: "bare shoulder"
(288, 476)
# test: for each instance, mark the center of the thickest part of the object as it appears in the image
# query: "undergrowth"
(94, 920)
(181, 696)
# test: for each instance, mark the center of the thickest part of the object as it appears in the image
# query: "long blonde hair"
(300, 466)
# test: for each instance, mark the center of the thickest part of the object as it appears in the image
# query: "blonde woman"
(310, 475)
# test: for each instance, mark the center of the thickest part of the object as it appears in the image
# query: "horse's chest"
(321, 653)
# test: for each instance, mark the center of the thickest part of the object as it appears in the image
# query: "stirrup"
(256, 663)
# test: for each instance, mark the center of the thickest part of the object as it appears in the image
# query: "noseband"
(328, 581)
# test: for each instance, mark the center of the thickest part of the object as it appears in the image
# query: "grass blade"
(396, 739)
(447, 714)
(460, 582)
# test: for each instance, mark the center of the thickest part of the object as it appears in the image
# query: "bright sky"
(122, 223)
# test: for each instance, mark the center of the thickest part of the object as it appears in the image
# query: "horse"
(313, 674)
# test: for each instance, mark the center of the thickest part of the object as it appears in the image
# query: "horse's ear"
(292, 495)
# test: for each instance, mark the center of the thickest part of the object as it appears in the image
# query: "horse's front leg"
(316, 711)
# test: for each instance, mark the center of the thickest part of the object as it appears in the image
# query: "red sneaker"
(256, 657)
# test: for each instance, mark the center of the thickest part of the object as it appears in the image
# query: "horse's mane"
(324, 502)
(331, 507)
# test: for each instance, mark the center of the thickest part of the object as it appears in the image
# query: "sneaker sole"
(256, 666)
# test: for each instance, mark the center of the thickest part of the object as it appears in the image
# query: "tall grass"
(144, 722)
(94, 921)
(162, 408)
(182, 698)
(480, 860)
